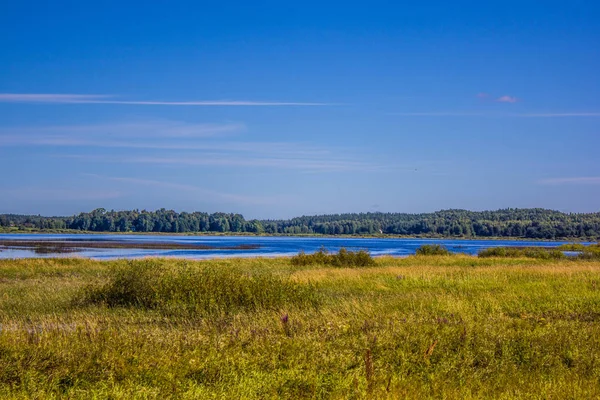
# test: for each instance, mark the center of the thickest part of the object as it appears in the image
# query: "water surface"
(266, 246)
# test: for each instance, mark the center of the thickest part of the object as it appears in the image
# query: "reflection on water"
(242, 246)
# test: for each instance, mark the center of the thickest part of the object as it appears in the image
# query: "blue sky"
(276, 110)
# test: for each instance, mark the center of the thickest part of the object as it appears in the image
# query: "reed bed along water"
(48, 246)
(417, 327)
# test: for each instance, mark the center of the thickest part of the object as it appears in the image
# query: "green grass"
(418, 327)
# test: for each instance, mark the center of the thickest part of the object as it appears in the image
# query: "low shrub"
(196, 288)
(433, 250)
(343, 258)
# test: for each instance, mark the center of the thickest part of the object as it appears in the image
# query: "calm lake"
(236, 246)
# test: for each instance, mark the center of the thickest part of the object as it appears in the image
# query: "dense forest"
(527, 223)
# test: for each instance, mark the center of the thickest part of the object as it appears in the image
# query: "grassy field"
(418, 327)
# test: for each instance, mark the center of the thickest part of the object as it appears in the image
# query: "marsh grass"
(531, 252)
(419, 327)
(589, 252)
(71, 245)
(343, 258)
(579, 247)
(200, 289)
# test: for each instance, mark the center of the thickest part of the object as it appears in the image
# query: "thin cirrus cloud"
(442, 114)
(580, 180)
(507, 99)
(197, 190)
(239, 160)
(50, 98)
(561, 115)
(282, 149)
(483, 96)
(28, 193)
(498, 115)
(185, 144)
(159, 140)
(128, 130)
(55, 98)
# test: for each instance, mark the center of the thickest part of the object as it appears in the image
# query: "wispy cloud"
(50, 98)
(129, 130)
(507, 99)
(179, 143)
(239, 160)
(560, 115)
(441, 114)
(210, 103)
(483, 96)
(497, 115)
(109, 99)
(214, 195)
(28, 193)
(280, 149)
(581, 180)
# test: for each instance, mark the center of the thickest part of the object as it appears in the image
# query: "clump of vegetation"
(433, 250)
(530, 252)
(591, 252)
(343, 258)
(196, 288)
(572, 247)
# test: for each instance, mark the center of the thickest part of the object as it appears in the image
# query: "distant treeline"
(527, 223)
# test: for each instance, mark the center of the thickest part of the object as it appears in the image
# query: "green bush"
(196, 288)
(433, 250)
(343, 258)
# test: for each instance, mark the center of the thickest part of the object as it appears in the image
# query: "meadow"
(426, 326)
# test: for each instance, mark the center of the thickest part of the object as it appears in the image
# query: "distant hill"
(535, 223)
